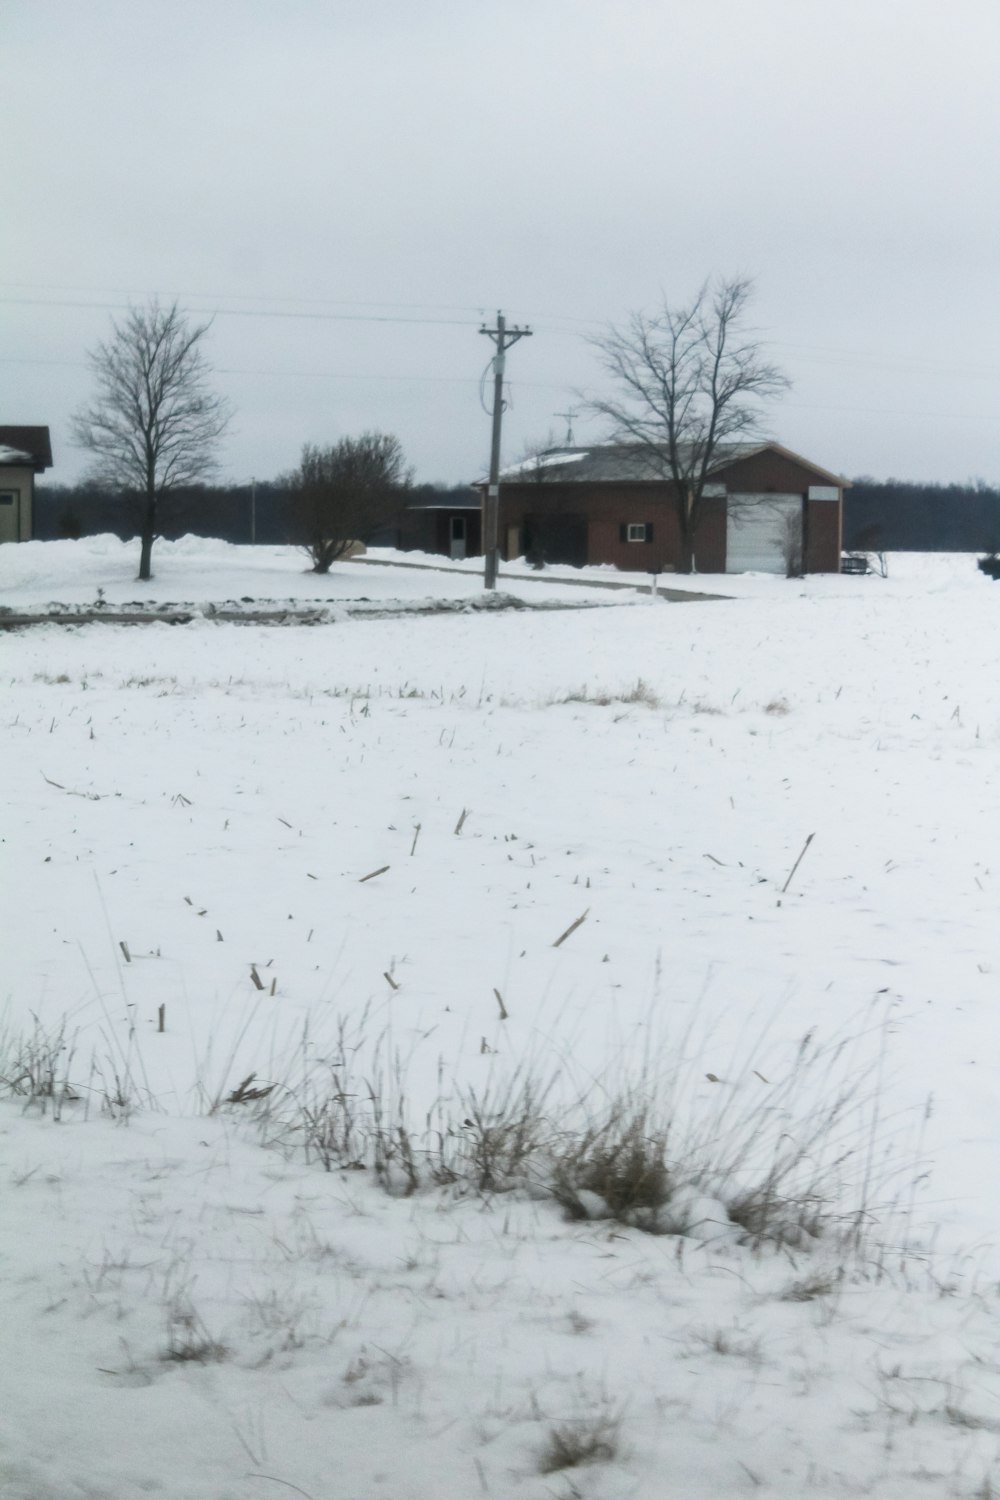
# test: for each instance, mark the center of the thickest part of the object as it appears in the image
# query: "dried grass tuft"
(587, 1440)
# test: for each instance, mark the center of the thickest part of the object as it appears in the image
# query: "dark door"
(556, 539)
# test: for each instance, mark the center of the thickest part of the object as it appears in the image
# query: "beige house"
(24, 452)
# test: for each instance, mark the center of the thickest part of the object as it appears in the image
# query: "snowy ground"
(194, 570)
(195, 1314)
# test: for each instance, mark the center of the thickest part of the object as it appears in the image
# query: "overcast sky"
(349, 187)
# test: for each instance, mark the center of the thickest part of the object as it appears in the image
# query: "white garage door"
(760, 529)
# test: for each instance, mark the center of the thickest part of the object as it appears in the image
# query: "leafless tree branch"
(154, 424)
(691, 381)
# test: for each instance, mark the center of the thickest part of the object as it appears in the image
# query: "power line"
(818, 353)
(250, 312)
(118, 291)
(812, 353)
(878, 362)
(219, 311)
(466, 380)
(63, 364)
(479, 310)
(885, 411)
(823, 355)
(549, 385)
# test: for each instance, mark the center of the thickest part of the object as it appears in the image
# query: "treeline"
(234, 513)
(900, 516)
(894, 516)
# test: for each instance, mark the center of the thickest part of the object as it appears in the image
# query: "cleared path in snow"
(672, 596)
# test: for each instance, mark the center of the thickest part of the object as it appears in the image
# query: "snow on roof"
(13, 455)
(639, 463)
(28, 445)
(552, 459)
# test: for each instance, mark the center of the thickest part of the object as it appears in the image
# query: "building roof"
(26, 445)
(474, 502)
(634, 463)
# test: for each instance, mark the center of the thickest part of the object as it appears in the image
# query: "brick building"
(765, 510)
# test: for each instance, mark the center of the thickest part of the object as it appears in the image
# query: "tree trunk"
(146, 535)
(686, 519)
(687, 537)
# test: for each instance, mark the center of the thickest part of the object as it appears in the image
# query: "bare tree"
(791, 544)
(346, 493)
(154, 423)
(691, 380)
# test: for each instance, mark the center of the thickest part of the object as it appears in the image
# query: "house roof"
(473, 503)
(26, 445)
(634, 463)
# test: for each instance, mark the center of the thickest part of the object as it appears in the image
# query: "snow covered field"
(348, 854)
(199, 570)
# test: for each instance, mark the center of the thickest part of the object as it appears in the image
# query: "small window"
(636, 531)
(6, 497)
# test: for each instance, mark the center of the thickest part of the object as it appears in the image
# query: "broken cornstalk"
(801, 857)
(571, 929)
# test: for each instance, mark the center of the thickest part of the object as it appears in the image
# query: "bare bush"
(346, 493)
(331, 1131)
(190, 1343)
(621, 1162)
(36, 1067)
(504, 1131)
(781, 1157)
(792, 1155)
(639, 692)
(586, 1440)
(188, 1340)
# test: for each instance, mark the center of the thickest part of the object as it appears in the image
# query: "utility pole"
(503, 337)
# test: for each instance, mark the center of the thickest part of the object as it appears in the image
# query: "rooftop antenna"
(569, 415)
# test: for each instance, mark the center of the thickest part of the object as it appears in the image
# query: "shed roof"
(31, 445)
(474, 502)
(634, 463)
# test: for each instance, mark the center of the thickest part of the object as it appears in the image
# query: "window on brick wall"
(635, 531)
